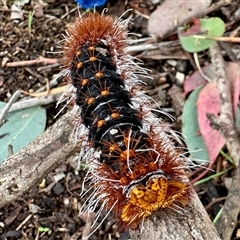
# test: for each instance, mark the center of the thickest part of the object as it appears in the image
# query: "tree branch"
(22, 171)
(228, 219)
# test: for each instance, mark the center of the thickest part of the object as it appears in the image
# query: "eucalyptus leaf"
(21, 128)
(196, 38)
(190, 129)
(237, 122)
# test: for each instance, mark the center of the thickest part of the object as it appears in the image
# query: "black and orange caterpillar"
(134, 168)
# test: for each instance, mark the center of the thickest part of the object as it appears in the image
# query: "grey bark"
(22, 171)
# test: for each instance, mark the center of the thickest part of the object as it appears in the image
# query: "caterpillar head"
(149, 194)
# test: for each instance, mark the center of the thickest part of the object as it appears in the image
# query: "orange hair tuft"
(92, 28)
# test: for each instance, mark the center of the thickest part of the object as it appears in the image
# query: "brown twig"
(223, 39)
(41, 99)
(200, 176)
(8, 10)
(6, 109)
(225, 123)
(216, 200)
(216, 6)
(54, 91)
(88, 218)
(42, 60)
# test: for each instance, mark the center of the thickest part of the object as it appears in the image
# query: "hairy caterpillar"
(134, 168)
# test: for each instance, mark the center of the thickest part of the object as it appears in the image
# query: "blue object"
(85, 4)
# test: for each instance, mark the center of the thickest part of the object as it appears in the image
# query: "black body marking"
(94, 105)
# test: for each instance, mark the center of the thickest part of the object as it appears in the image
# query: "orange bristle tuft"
(92, 28)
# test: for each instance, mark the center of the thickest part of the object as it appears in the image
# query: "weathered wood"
(225, 123)
(23, 170)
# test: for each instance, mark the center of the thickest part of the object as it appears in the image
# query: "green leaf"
(195, 39)
(215, 26)
(237, 121)
(190, 129)
(43, 229)
(21, 128)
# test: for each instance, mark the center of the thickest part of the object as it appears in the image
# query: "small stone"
(66, 201)
(180, 77)
(48, 203)
(58, 188)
